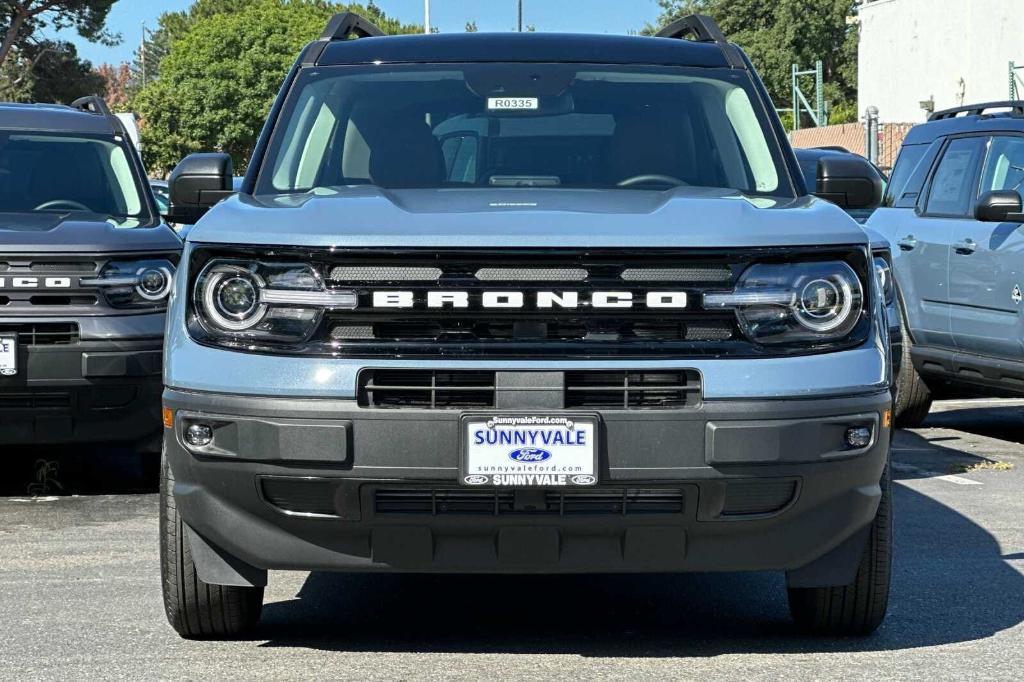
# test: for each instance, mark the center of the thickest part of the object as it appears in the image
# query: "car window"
(48, 172)
(953, 185)
(1004, 168)
(513, 125)
(910, 156)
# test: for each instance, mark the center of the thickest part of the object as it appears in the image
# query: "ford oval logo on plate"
(584, 479)
(475, 479)
(529, 455)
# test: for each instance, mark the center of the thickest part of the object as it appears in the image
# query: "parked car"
(953, 214)
(86, 266)
(632, 344)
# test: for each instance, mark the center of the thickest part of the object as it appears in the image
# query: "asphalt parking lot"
(80, 593)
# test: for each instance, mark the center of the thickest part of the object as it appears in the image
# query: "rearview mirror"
(197, 184)
(1000, 206)
(849, 181)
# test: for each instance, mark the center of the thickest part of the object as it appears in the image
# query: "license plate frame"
(533, 470)
(8, 355)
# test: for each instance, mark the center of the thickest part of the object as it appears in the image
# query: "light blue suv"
(525, 303)
(953, 214)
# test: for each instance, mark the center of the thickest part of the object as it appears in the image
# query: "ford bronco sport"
(525, 303)
(953, 213)
(86, 267)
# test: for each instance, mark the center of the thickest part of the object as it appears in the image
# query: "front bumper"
(728, 485)
(86, 390)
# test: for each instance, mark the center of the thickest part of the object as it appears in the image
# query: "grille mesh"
(531, 274)
(355, 273)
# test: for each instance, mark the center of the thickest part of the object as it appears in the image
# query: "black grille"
(34, 399)
(43, 334)
(597, 501)
(757, 497)
(426, 389)
(632, 389)
(557, 315)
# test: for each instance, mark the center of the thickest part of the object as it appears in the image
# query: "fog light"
(858, 436)
(199, 435)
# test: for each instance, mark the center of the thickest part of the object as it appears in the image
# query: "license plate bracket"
(529, 450)
(8, 355)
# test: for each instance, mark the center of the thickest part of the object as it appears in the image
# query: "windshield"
(522, 125)
(57, 173)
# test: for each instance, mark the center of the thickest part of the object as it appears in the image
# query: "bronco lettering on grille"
(35, 282)
(538, 299)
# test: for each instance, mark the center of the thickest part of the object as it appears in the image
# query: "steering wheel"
(650, 178)
(61, 203)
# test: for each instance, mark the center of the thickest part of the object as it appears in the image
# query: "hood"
(876, 238)
(367, 216)
(68, 233)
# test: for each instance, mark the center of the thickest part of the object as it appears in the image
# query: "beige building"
(949, 51)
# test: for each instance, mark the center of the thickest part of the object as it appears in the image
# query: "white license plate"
(513, 103)
(8, 356)
(529, 451)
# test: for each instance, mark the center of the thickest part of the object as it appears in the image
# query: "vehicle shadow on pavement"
(94, 469)
(1002, 422)
(951, 584)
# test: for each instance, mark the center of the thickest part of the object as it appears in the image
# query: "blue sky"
(589, 16)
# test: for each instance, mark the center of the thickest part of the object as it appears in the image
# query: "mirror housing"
(197, 184)
(1000, 206)
(849, 181)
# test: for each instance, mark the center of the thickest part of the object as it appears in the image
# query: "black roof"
(523, 47)
(53, 118)
(992, 117)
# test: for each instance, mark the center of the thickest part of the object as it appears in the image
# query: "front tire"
(858, 608)
(197, 610)
(913, 398)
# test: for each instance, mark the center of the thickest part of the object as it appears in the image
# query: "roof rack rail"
(93, 104)
(346, 25)
(1016, 106)
(703, 29)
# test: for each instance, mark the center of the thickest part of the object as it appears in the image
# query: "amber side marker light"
(168, 418)
(887, 418)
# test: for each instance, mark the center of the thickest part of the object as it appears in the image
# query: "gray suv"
(525, 303)
(953, 214)
(86, 266)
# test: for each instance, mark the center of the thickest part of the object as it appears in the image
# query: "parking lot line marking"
(959, 480)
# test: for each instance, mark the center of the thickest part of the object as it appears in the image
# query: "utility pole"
(520, 23)
(426, 16)
(142, 53)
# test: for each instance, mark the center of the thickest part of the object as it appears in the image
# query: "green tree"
(222, 72)
(778, 34)
(22, 20)
(59, 75)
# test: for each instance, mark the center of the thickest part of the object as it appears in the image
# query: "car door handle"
(908, 243)
(966, 247)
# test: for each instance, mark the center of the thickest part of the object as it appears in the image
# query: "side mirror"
(849, 181)
(1000, 206)
(197, 184)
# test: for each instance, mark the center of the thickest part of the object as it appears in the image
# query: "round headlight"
(154, 283)
(824, 304)
(231, 298)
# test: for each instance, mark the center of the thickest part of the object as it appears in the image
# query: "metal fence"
(872, 137)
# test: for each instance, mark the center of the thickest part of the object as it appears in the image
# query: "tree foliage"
(117, 84)
(22, 20)
(48, 71)
(224, 63)
(781, 33)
